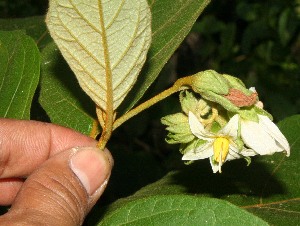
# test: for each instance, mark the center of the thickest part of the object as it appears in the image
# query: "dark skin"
(37, 173)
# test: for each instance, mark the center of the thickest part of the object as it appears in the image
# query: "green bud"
(213, 86)
(178, 128)
(210, 81)
(226, 90)
(188, 101)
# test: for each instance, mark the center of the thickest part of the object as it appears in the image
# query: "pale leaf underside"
(104, 42)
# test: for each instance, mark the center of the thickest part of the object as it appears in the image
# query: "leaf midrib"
(108, 72)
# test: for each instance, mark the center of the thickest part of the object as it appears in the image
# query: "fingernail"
(92, 167)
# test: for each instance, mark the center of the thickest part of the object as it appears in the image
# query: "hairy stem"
(107, 127)
(178, 85)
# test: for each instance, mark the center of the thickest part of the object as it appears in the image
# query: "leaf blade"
(100, 48)
(61, 96)
(20, 78)
(178, 210)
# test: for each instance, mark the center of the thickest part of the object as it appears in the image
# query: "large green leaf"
(178, 210)
(283, 206)
(171, 22)
(19, 76)
(61, 96)
(269, 187)
(104, 42)
(35, 27)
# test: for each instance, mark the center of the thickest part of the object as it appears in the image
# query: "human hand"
(66, 174)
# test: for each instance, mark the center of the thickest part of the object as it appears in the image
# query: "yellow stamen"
(221, 149)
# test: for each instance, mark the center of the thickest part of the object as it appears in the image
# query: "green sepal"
(215, 127)
(261, 111)
(248, 160)
(177, 138)
(188, 162)
(249, 114)
(239, 143)
(183, 128)
(174, 119)
(193, 145)
(220, 100)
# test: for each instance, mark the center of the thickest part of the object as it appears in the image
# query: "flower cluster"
(222, 120)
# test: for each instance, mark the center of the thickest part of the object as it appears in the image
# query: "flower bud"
(178, 128)
(226, 90)
(188, 102)
(210, 81)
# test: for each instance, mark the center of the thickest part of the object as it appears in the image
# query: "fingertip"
(92, 167)
(9, 188)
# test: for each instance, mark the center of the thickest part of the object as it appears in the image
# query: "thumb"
(62, 190)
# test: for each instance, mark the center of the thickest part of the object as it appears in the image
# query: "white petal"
(231, 127)
(233, 153)
(273, 130)
(257, 139)
(202, 152)
(197, 128)
(248, 152)
(244, 152)
(214, 167)
(232, 156)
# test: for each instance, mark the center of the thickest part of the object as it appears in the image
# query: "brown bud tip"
(239, 99)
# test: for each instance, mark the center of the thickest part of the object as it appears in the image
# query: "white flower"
(219, 147)
(263, 137)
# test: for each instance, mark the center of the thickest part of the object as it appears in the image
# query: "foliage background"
(258, 41)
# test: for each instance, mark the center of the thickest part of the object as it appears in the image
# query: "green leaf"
(268, 187)
(61, 96)
(178, 210)
(35, 27)
(171, 22)
(19, 76)
(104, 42)
(282, 208)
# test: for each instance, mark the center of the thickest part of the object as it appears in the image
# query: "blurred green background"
(22, 8)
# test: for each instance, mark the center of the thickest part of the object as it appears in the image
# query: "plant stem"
(177, 86)
(107, 127)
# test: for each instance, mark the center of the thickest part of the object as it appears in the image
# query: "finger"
(24, 145)
(9, 189)
(62, 190)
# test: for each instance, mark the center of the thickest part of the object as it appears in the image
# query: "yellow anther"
(221, 149)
